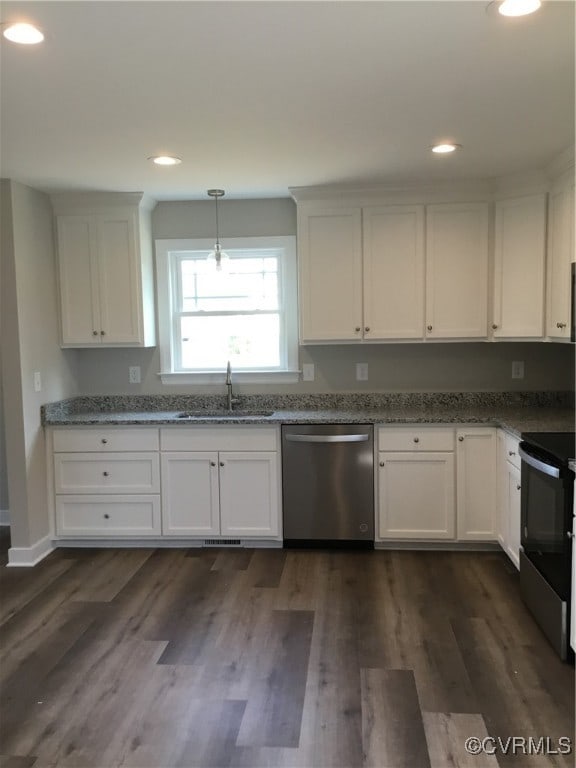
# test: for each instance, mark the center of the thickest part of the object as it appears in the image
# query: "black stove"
(559, 445)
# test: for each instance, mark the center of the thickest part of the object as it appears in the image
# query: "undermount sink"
(223, 414)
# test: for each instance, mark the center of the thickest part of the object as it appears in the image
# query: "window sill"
(238, 377)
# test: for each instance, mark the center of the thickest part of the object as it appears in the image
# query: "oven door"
(546, 518)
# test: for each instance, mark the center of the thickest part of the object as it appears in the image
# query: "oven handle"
(538, 464)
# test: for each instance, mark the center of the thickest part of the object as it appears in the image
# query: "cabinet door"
(456, 270)
(513, 510)
(330, 274)
(393, 272)
(560, 255)
(249, 494)
(519, 253)
(118, 278)
(416, 495)
(78, 278)
(476, 484)
(190, 503)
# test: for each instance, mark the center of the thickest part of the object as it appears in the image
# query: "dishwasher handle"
(296, 438)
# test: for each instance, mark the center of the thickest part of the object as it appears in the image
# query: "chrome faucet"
(231, 400)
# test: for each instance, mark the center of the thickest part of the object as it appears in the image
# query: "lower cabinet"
(509, 523)
(220, 481)
(476, 484)
(220, 493)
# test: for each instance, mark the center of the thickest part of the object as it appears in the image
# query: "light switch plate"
(518, 369)
(308, 372)
(361, 371)
(37, 381)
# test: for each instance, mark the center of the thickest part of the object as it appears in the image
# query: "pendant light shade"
(217, 256)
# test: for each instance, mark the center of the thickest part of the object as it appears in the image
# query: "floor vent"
(222, 542)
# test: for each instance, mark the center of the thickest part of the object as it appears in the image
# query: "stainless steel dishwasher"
(328, 484)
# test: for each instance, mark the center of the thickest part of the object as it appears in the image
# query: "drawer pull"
(511, 453)
(461, 439)
(105, 474)
(416, 439)
(104, 441)
(560, 325)
(429, 327)
(106, 516)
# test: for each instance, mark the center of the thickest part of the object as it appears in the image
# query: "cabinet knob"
(381, 463)
(560, 325)
(416, 439)
(429, 327)
(221, 463)
(511, 453)
(518, 487)
(94, 333)
(105, 474)
(461, 439)
(106, 516)
(212, 463)
(367, 329)
(570, 535)
(102, 333)
(494, 326)
(104, 440)
(357, 329)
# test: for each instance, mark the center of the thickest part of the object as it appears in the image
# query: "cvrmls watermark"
(518, 745)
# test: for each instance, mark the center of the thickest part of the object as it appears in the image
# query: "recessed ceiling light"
(445, 149)
(518, 7)
(23, 33)
(165, 160)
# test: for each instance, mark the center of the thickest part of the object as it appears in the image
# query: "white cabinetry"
(456, 270)
(361, 273)
(393, 239)
(509, 495)
(330, 274)
(103, 486)
(105, 270)
(476, 483)
(519, 257)
(220, 481)
(416, 484)
(560, 255)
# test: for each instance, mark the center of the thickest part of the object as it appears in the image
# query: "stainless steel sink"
(223, 414)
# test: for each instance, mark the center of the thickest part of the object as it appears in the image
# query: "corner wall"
(30, 342)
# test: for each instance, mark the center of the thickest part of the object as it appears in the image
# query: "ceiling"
(256, 97)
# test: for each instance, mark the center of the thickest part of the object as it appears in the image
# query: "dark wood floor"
(217, 658)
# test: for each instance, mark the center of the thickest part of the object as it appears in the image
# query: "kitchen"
(31, 340)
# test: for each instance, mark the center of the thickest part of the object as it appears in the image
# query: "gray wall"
(29, 327)
(392, 367)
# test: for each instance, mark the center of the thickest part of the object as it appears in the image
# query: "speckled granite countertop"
(517, 412)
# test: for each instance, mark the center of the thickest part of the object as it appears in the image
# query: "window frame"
(288, 296)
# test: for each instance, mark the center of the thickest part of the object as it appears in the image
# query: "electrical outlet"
(518, 369)
(308, 372)
(37, 382)
(134, 374)
(361, 371)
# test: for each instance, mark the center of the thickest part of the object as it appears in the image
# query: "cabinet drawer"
(112, 473)
(415, 439)
(209, 438)
(105, 439)
(511, 444)
(108, 515)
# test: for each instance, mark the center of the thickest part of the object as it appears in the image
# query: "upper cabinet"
(560, 255)
(519, 264)
(393, 239)
(456, 270)
(104, 248)
(330, 274)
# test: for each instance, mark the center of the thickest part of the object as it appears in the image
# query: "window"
(245, 314)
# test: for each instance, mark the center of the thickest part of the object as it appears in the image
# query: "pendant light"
(217, 255)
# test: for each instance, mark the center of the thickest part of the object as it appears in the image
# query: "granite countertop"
(534, 412)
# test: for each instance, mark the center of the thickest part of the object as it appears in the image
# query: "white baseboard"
(29, 556)
(4, 517)
(157, 543)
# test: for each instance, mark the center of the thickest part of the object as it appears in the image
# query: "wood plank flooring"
(223, 658)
